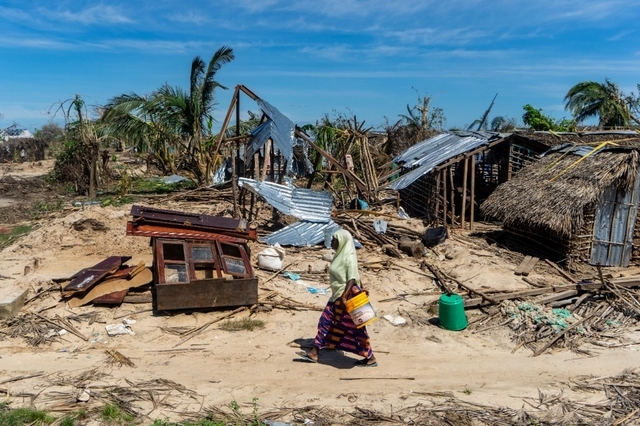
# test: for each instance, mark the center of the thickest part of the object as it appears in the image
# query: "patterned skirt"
(336, 330)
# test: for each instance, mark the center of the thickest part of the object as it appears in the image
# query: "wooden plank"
(559, 335)
(522, 265)
(556, 296)
(470, 303)
(560, 270)
(90, 276)
(111, 286)
(115, 298)
(520, 294)
(529, 266)
(207, 293)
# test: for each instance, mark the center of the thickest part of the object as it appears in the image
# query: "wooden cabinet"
(194, 274)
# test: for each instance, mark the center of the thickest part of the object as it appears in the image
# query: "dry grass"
(248, 324)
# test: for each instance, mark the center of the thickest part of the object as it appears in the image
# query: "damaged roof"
(424, 156)
(281, 130)
(301, 234)
(306, 204)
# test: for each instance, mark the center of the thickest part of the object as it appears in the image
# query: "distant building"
(12, 132)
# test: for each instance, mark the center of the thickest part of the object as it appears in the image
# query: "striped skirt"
(336, 330)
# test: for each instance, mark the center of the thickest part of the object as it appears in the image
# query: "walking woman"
(336, 329)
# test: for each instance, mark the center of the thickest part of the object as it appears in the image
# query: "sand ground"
(219, 366)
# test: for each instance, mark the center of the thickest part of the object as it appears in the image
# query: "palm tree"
(603, 100)
(171, 122)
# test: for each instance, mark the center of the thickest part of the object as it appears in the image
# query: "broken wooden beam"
(560, 271)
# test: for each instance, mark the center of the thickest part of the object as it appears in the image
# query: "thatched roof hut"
(577, 201)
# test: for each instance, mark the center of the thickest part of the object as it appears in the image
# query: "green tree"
(173, 125)
(536, 120)
(605, 101)
(52, 134)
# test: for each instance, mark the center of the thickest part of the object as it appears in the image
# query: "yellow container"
(360, 310)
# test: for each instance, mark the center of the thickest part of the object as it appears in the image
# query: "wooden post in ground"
(473, 192)
(453, 196)
(463, 213)
(234, 184)
(437, 210)
(267, 155)
(444, 196)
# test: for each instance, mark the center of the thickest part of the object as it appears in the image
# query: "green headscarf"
(344, 265)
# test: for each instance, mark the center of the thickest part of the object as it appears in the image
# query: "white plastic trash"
(271, 258)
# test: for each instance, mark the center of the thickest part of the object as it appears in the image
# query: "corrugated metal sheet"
(301, 234)
(416, 152)
(433, 152)
(282, 131)
(306, 204)
(279, 128)
(614, 227)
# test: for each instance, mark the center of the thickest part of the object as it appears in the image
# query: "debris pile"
(108, 282)
(567, 316)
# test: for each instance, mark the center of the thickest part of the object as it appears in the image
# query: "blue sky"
(311, 58)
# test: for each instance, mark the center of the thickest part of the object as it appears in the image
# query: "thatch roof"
(552, 139)
(552, 193)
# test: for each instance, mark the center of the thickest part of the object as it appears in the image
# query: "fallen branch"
(202, 328)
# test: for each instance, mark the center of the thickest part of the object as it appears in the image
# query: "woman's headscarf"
(344, 265)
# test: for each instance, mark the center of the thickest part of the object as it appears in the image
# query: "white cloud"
(38, 43)
(621, 35)
(99, 14)
(12, 14)
(439, 36)
(195, 18)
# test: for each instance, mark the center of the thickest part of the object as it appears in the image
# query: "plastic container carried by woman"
(360, 310)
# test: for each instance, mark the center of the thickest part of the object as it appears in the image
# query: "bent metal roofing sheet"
(423, 157)
(305, 204)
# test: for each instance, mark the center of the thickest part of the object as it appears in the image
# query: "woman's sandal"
(305, 356)
(365, 363)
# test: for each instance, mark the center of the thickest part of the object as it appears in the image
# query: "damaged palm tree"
(78, 162)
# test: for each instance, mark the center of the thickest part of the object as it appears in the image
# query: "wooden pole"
(234, 183)
(227, 118)
(509, 162)
(444, 197)
(437, 212)
(473, 191)
(256, 175)
(453, 196)
(465, 163)
(267, 155)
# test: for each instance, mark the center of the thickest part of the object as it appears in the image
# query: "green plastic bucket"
(451, 312)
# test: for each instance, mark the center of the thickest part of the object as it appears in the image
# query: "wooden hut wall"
(574, 250)
(635, 250)
(522, 154)
(418, 199)
(538, 241)
(581, 242)
(430, 197)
